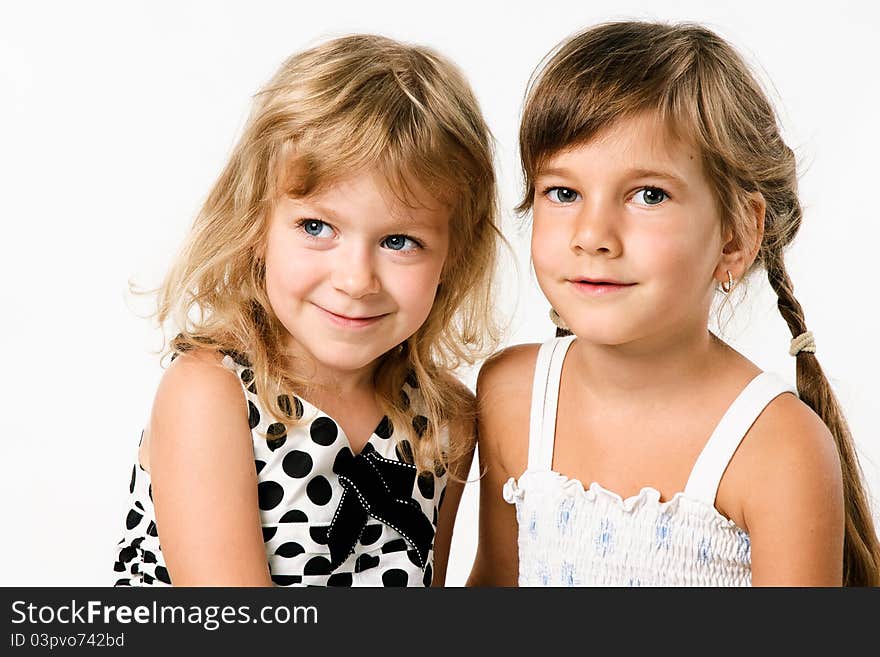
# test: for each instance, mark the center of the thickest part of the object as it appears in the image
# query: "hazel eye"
(562, 195)
(315, 228)
(400, 243)
(650, 196)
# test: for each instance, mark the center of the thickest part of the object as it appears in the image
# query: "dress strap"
(545, 397)
(731, 429)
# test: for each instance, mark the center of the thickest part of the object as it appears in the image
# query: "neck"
(324, 381)
(653, 369)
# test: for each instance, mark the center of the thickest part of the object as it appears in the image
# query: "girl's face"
(627, 239)
(351, 272)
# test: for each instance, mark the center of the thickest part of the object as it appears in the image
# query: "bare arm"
(204, 482)
(503, 392)
(458, 473)
(793, 509)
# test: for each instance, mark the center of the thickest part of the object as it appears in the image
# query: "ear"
(739, 252)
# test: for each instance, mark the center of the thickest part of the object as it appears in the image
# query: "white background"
(115, 118)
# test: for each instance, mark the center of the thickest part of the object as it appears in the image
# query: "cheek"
(546, 246)
(680, 259)
(414, 290)
(290, 272)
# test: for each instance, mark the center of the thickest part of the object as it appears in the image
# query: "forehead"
(372, 194)
(638, 143)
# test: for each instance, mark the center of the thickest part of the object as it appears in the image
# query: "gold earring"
(556, 319)
(727, 288)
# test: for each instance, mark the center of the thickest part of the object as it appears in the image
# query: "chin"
(602, 336)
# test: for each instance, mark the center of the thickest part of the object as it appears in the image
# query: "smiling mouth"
(598, 287)
(346, 321)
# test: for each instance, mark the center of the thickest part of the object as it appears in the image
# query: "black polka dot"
(148, 579)
(297, 464)
(435, 516)
(285, 405)
(151, 529)
(259, 465)
(426, 485)
(420, 423)
(340, 579)
(290, 549)
(395, 577)
(411, 379)
(371, 534)
(385, 428)
(119, 567)
(404, 452)
(122, 582)
(365, 562)
(238, 357)
(276, 435)
(324, 431)
(397, 545)
(268, 533)
(294, 515)
(247, 376)
(137, 542)
(133, 477)
(414, 559)
(150, 492)
(133, 518)
(439, 469)
(429, 575)
(319, 490)
(139, 505)
(344, 455)
(253, 415)
(269, 494)
(317, 566)
(287, 580)
(404, 399)
(442, 496)
(149, 557)
(162, 574)
(319, 534)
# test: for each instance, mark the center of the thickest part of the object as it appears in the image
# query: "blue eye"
(650, 196)
(562, 195)
(314, 227)
(399, 243)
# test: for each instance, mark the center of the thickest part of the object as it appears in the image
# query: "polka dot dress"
(329, 517)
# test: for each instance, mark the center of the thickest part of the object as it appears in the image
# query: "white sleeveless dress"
(572, 535)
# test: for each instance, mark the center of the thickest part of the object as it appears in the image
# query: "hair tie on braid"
(803, 342)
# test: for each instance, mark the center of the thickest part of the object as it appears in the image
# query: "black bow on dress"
(376, 487)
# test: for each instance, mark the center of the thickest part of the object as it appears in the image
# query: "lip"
(599, 287)
(344, 321)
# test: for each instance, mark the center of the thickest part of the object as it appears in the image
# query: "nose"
(596, 229)
(354, 272)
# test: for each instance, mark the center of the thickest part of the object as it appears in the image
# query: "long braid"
(861, 550)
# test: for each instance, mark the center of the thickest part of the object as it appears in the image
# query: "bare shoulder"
(508, 371)
(788, 457)
(199, 377)
(504, 388)
(790, 432)
(195, 396)
(790, 488)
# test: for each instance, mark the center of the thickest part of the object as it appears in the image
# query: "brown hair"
(704, 91)
(346, 105)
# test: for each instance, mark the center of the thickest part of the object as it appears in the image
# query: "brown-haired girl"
(337, 275)
(637, 448)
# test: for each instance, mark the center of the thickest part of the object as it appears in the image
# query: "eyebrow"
(394, 224)
(630, 173)
(651, 173)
